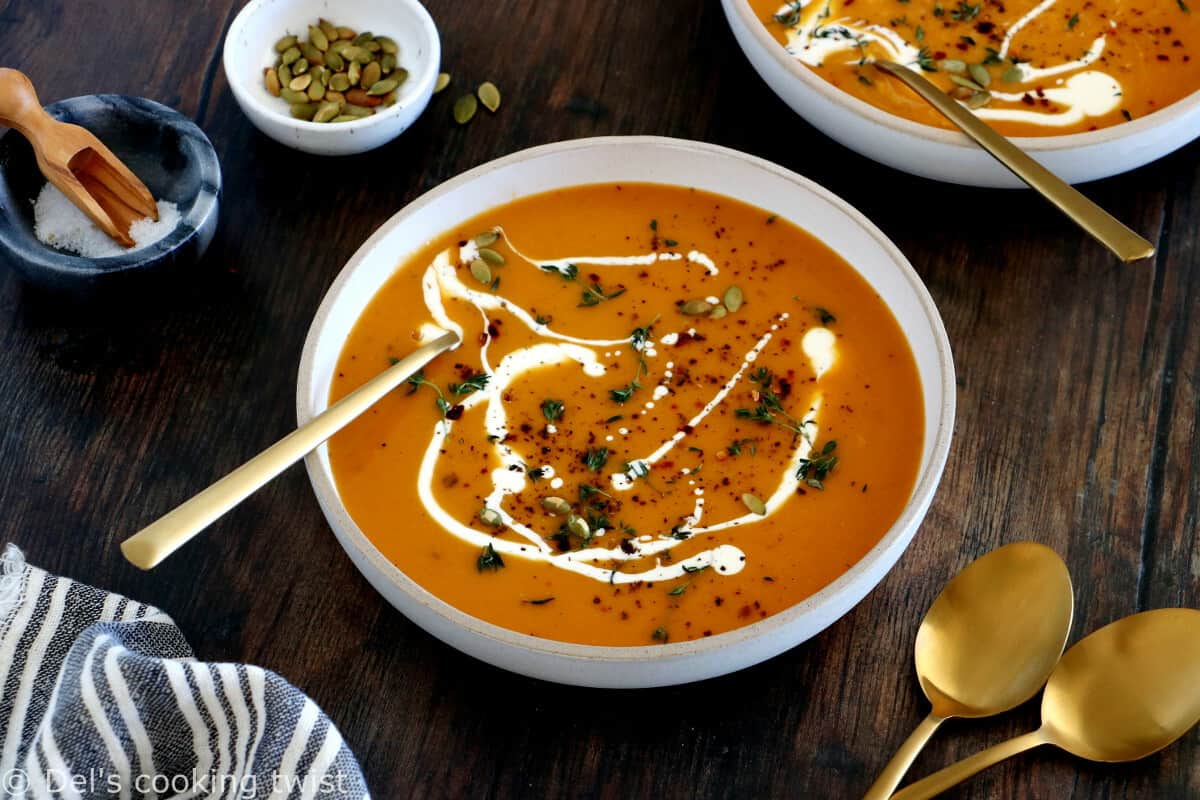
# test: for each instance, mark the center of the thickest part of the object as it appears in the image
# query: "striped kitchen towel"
(100, 697)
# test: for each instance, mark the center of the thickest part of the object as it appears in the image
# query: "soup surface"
(672, 414)
(1027, 67)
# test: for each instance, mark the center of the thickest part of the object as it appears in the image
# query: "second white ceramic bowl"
(249, 47)
(947, 155)
(653, 160)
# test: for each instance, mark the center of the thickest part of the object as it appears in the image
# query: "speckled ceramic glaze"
(164, 148)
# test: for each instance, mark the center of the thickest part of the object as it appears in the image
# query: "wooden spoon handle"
(893, 773)
(19, 104)
(955, 774)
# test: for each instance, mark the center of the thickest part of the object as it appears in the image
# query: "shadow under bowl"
(170, 154)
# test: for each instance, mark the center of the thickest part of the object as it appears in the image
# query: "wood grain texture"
(1077, 424)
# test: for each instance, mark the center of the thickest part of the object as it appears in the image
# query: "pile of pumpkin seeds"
(731, 301)
(336, 74)
(971, 81)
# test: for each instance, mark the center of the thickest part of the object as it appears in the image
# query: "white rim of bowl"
(245, 96)
(942, 135)
(922, 493)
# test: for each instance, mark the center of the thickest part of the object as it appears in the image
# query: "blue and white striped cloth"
(100, 697)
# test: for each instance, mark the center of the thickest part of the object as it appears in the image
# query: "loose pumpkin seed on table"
(465, 108)
(489, 95)
(335, 74)
(443, 80)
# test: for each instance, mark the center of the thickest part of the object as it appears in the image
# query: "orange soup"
(1027, 67)
(672, 415)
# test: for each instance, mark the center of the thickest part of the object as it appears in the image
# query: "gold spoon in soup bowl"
(1101, 225)
(988, 642)
(1124, 692)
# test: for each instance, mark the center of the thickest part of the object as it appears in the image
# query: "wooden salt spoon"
(1124, 692)
(149, 546)
(75, 161)
(988, 642)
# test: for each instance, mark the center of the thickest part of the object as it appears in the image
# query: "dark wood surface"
(1077, 418)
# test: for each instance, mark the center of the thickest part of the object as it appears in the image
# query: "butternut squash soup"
(1027, 67)
(672, 415)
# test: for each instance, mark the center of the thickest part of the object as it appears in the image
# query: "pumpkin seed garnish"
(491, 256)
(490, 517)
(979, 100)
(481, 271)
(1013, 74)
(980, 74)
(556, 506)
(489, 95)
(966, 83)
(733, 298)
(578, 526)
(953, 65)
(465, 108)
(443, 80)
(486, 239)
(754, 504)
(718, 313)
(696, 308)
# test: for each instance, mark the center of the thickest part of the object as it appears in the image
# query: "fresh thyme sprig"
(815, 469)
(638, 339)
(474, 383)
(770, 408)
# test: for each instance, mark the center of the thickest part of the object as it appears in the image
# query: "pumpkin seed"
(1013, 74)
(334, 97)
(370, 74)
(328, 28)
(284, 44)
(979, 100)
(285, 74)
(389, 99)
(344, 118)
(981, 75)
(953, 65)
(754, 504)
(372, 46)
(339, 82)
(578, 526)
(399, 75)
(733, 298)
(300, 66)
(292, 97)
(481, 271)
(491, 256)
(486, 239)
(271, 79)
(364, 56)
(556, 506)
(304, 110)
(354, 72)
(345, 33)
(316, 90)
(379, 88)
(300, 83)
(311, 53)
(339, 47)
(464, 108)
(291, 55)
(327, 111)
(696, 308)
(361, 98)
(718, 313)
(489, 95)
(350, 109)
(334, 61)
(363, 37)
(490, 517)
(318, 38)
(966, 83)
(388, 62)
(443, 80)
(388, 44)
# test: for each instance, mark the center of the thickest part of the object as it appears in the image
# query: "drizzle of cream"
(1087, 94)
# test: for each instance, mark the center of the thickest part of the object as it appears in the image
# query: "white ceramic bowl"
(249, 48)
(656, 160)
(947, 155)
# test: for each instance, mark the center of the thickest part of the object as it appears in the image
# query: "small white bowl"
(249, 48)
(654, 160)
(948, 155)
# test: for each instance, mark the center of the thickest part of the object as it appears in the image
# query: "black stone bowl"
(164, 148)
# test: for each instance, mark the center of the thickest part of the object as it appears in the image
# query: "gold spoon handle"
(1104, 227)
(155, 542)
(890, 778)
(955, 774)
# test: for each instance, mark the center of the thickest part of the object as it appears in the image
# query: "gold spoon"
(149, 546)
(1126, 691)
(988, 642)
(1104, 227)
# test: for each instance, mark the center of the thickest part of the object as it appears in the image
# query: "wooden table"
(1077, 416)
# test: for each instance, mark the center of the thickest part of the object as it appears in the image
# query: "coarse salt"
(57, 222)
